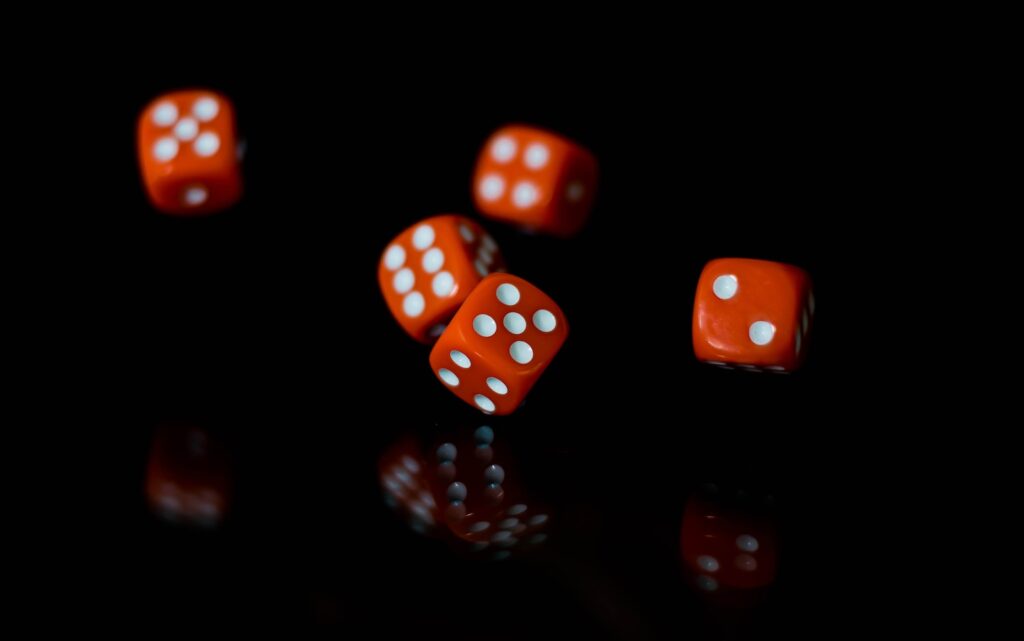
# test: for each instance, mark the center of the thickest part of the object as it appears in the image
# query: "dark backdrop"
(265, 325)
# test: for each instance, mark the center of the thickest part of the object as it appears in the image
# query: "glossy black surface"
(264, 324)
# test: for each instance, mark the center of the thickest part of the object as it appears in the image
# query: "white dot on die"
(497, 385)
(165, 149)
(460, 359)
(206, 144)
(423, 237)
(492, 187)
(481, 268)
(196, 195)
(707, 563)
(411, 464)
(448, 377)
(544, 320)
(165, 114)
(394, 257)
(479, 526)
(516, 509)
(484, 403)
(186, 129)
(521, 352)
(796, 349)
(508, 294)
(574, 192)
(805, 321)
(725, 286)
(205, 109)
(536, 156)
(484, 325)
(413, 304)
(539, 519)
(746, 562)
(747, 543)
(514, 322)
(761, 332)
(404, 280)
(503, 149)
(443, 284)
(466, 233)
(525, 194)
(433, 260)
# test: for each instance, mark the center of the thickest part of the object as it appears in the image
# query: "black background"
(264, 324)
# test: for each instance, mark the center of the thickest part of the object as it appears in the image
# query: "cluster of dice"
(443, 278)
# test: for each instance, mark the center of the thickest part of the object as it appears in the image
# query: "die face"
(187, 476)
(725, 547)
(187, 148)
(499, 343)
(752, 314)
(535, 179)
(427, 272)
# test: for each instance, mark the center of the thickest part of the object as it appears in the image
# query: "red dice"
(428, 270)
(464, 487)
(188, 476)
(535, 179)
(499, 343)
(729, 544)
(752, 314)
(188, 153)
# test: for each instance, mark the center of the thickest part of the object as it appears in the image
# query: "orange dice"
(188, 153)
(536, 180)
(429, 269)
(499, 343)
(752, 314)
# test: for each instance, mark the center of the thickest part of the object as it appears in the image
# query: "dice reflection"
(188, 476)
(729, 544)
(464, 487)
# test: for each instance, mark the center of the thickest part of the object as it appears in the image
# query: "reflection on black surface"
(188, 476)
(464, 487)
(729, 544)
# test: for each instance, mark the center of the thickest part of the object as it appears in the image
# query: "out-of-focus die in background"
(188, 476)
(429, 269)
(188, 152)
(536, 180)
(499, 343)
(753, 315)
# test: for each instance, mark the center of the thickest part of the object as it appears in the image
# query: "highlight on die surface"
(499, 343)
(187, 147)
(754, 315)
(428, 270)
(535, 179)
